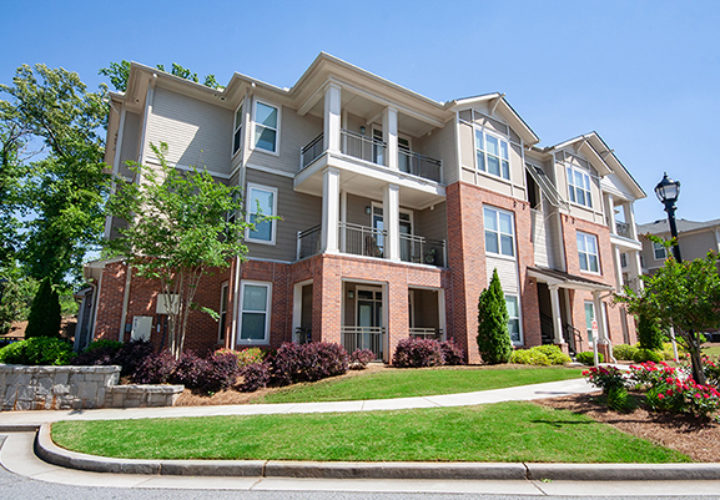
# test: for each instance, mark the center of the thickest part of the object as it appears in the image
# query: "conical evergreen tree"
(44, 318)
(650, 335)
(493, 336)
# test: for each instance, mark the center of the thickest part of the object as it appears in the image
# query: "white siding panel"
(507, 272)
(539, 237)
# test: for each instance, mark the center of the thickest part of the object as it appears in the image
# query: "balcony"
(623, 229)
(426, 333)
(364, 337)
(371, 150)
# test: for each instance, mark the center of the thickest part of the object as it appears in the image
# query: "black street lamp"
(667, 192)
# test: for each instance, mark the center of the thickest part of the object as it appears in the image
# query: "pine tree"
(44, 318)
(650, 335)
(493, 336)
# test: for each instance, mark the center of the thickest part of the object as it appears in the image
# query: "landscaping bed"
(698, 439)
(503, 432)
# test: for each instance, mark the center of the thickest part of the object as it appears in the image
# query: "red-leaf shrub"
(415, 353)
(452, 353)
(247, 356)
(255, 376)
(156, 368)
(109, 352)
(211, 374)
(189, 370)
(307, 362)
(360, 358)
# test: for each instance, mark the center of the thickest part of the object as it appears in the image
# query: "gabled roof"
(661, 226)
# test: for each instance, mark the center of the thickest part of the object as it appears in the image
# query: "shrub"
(255, 376)
(667, 351)
(189, 370)
(649, 373)
(360, 358)
(605, 378)
(44, 318)
(553, 353)
(99, 352)
(529, 357)
(131, 355)
(587, 358)
(650, 335)
(712, 371)
(625, 352)
(207, 375)
(37, 351)
(643, 355)
(619, 400)
(452, 353)
(155, 368)
(493, 338)
(307, 362)
(247, 356)
(109, 344)
(415, 353)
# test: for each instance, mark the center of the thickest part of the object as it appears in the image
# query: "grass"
(712, 351)
(503, 432)
(416, 382)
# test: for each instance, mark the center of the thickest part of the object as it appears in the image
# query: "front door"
(369, 320)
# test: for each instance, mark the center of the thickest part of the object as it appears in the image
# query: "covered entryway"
(426, 309)
(364, 318)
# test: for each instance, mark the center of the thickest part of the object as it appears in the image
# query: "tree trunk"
(697, 370)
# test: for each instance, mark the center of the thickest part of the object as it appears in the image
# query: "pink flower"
(661, 396)
(707, 396)
(669, 391)
(697, 395)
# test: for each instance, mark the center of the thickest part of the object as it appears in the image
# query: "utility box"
(141, 328)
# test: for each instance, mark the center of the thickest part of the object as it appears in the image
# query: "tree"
(44, 319)
(685, 296)
(177, 230)
(118, 74)
(63, 185)
(650, 333)
(16, 295)
(493, 336)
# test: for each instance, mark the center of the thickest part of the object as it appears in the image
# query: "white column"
(610, 208)
(442, 322)
(331, 210)
(343, 220)
(390, 131)
(618, 268)
(331, 122)
(391, 221)
(297, 308)
(630, 219)
(600, 318)
(636, 269)
(556, 316)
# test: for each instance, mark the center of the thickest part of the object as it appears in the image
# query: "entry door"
(404, 155)
(407, 251)
(369, 319)
(589, 318)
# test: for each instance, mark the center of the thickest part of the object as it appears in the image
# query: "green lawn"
(503, 432)
(417, 382)
(712, 351)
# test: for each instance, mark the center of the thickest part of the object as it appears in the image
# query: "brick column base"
(563, 347)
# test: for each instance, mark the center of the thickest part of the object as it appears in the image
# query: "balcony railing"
(426, 333)
(308, 242)
(362, 240)
(623, 229)
(364, 337)
(302, 335)
(416, 164)
(421, 250)
(372, 150)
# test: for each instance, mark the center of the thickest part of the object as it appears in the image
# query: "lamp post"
(667, 192)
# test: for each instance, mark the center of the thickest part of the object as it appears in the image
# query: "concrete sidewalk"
(17, 419)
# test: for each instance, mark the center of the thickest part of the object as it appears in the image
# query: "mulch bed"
(700, 440)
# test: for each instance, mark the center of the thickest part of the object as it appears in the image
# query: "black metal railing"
(422, 250)
(362, 240)
(417, 164)
(308, 242)
(362, 147)
(623, 229)
(426, 333)
(364, 337)
(312, 151)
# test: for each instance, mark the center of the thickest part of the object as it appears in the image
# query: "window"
(254, 308)
(267, 124)
(588, 252)
(579, 187)
(659, 251)
(499, 233)
(262, 203)
(222, 323)
(492, 154)
(623, 260)
(589, 319)
(237, 129)
(511, 301)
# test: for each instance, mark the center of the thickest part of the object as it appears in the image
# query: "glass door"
(369, 320)
(589, 319)
(403, 155)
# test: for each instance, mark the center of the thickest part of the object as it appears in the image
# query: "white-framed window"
(267, 127)
(513, 308)
(588, 252)
(237, 129)
(261, 203)
(222, 311)
(493, 154)
(589, 318)
(579, 187)
(254, 313)
(659, 251)
(623, 260)
(499, 231)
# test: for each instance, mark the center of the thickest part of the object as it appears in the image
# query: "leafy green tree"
(493, 336)
(685, 296)
(12, 140)
(118, 74)
(44, 319)
(16, 294)
(650, 333)
(175, 229)
(63, 185)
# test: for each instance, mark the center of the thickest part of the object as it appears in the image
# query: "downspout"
(126, 300)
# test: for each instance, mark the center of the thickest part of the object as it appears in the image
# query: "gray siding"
(440, 144)
(298, 212)
(129, 148)
(431, 224)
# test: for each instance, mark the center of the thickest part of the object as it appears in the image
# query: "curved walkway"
(27, 419)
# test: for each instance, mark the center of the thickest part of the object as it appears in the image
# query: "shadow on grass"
(559, 423)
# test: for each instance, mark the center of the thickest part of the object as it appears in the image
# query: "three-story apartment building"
(394, 210)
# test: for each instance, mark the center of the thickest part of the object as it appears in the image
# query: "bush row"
(540, 355)
(416, 353)
(37, 351)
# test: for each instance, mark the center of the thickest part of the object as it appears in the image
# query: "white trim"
(588, 192)
(249, 213)
(506, 139)
(255, 124)
(297, 305)
(224, 288)
(116, 167)
(654, 252)
(268, 302)
(234, 152)
(270, 170)
(516, 295)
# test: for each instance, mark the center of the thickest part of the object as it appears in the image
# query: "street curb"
(50, 452)
(19, 428)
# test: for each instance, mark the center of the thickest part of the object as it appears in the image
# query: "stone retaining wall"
(75, 387)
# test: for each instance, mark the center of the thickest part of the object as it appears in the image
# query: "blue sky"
(645, 75)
